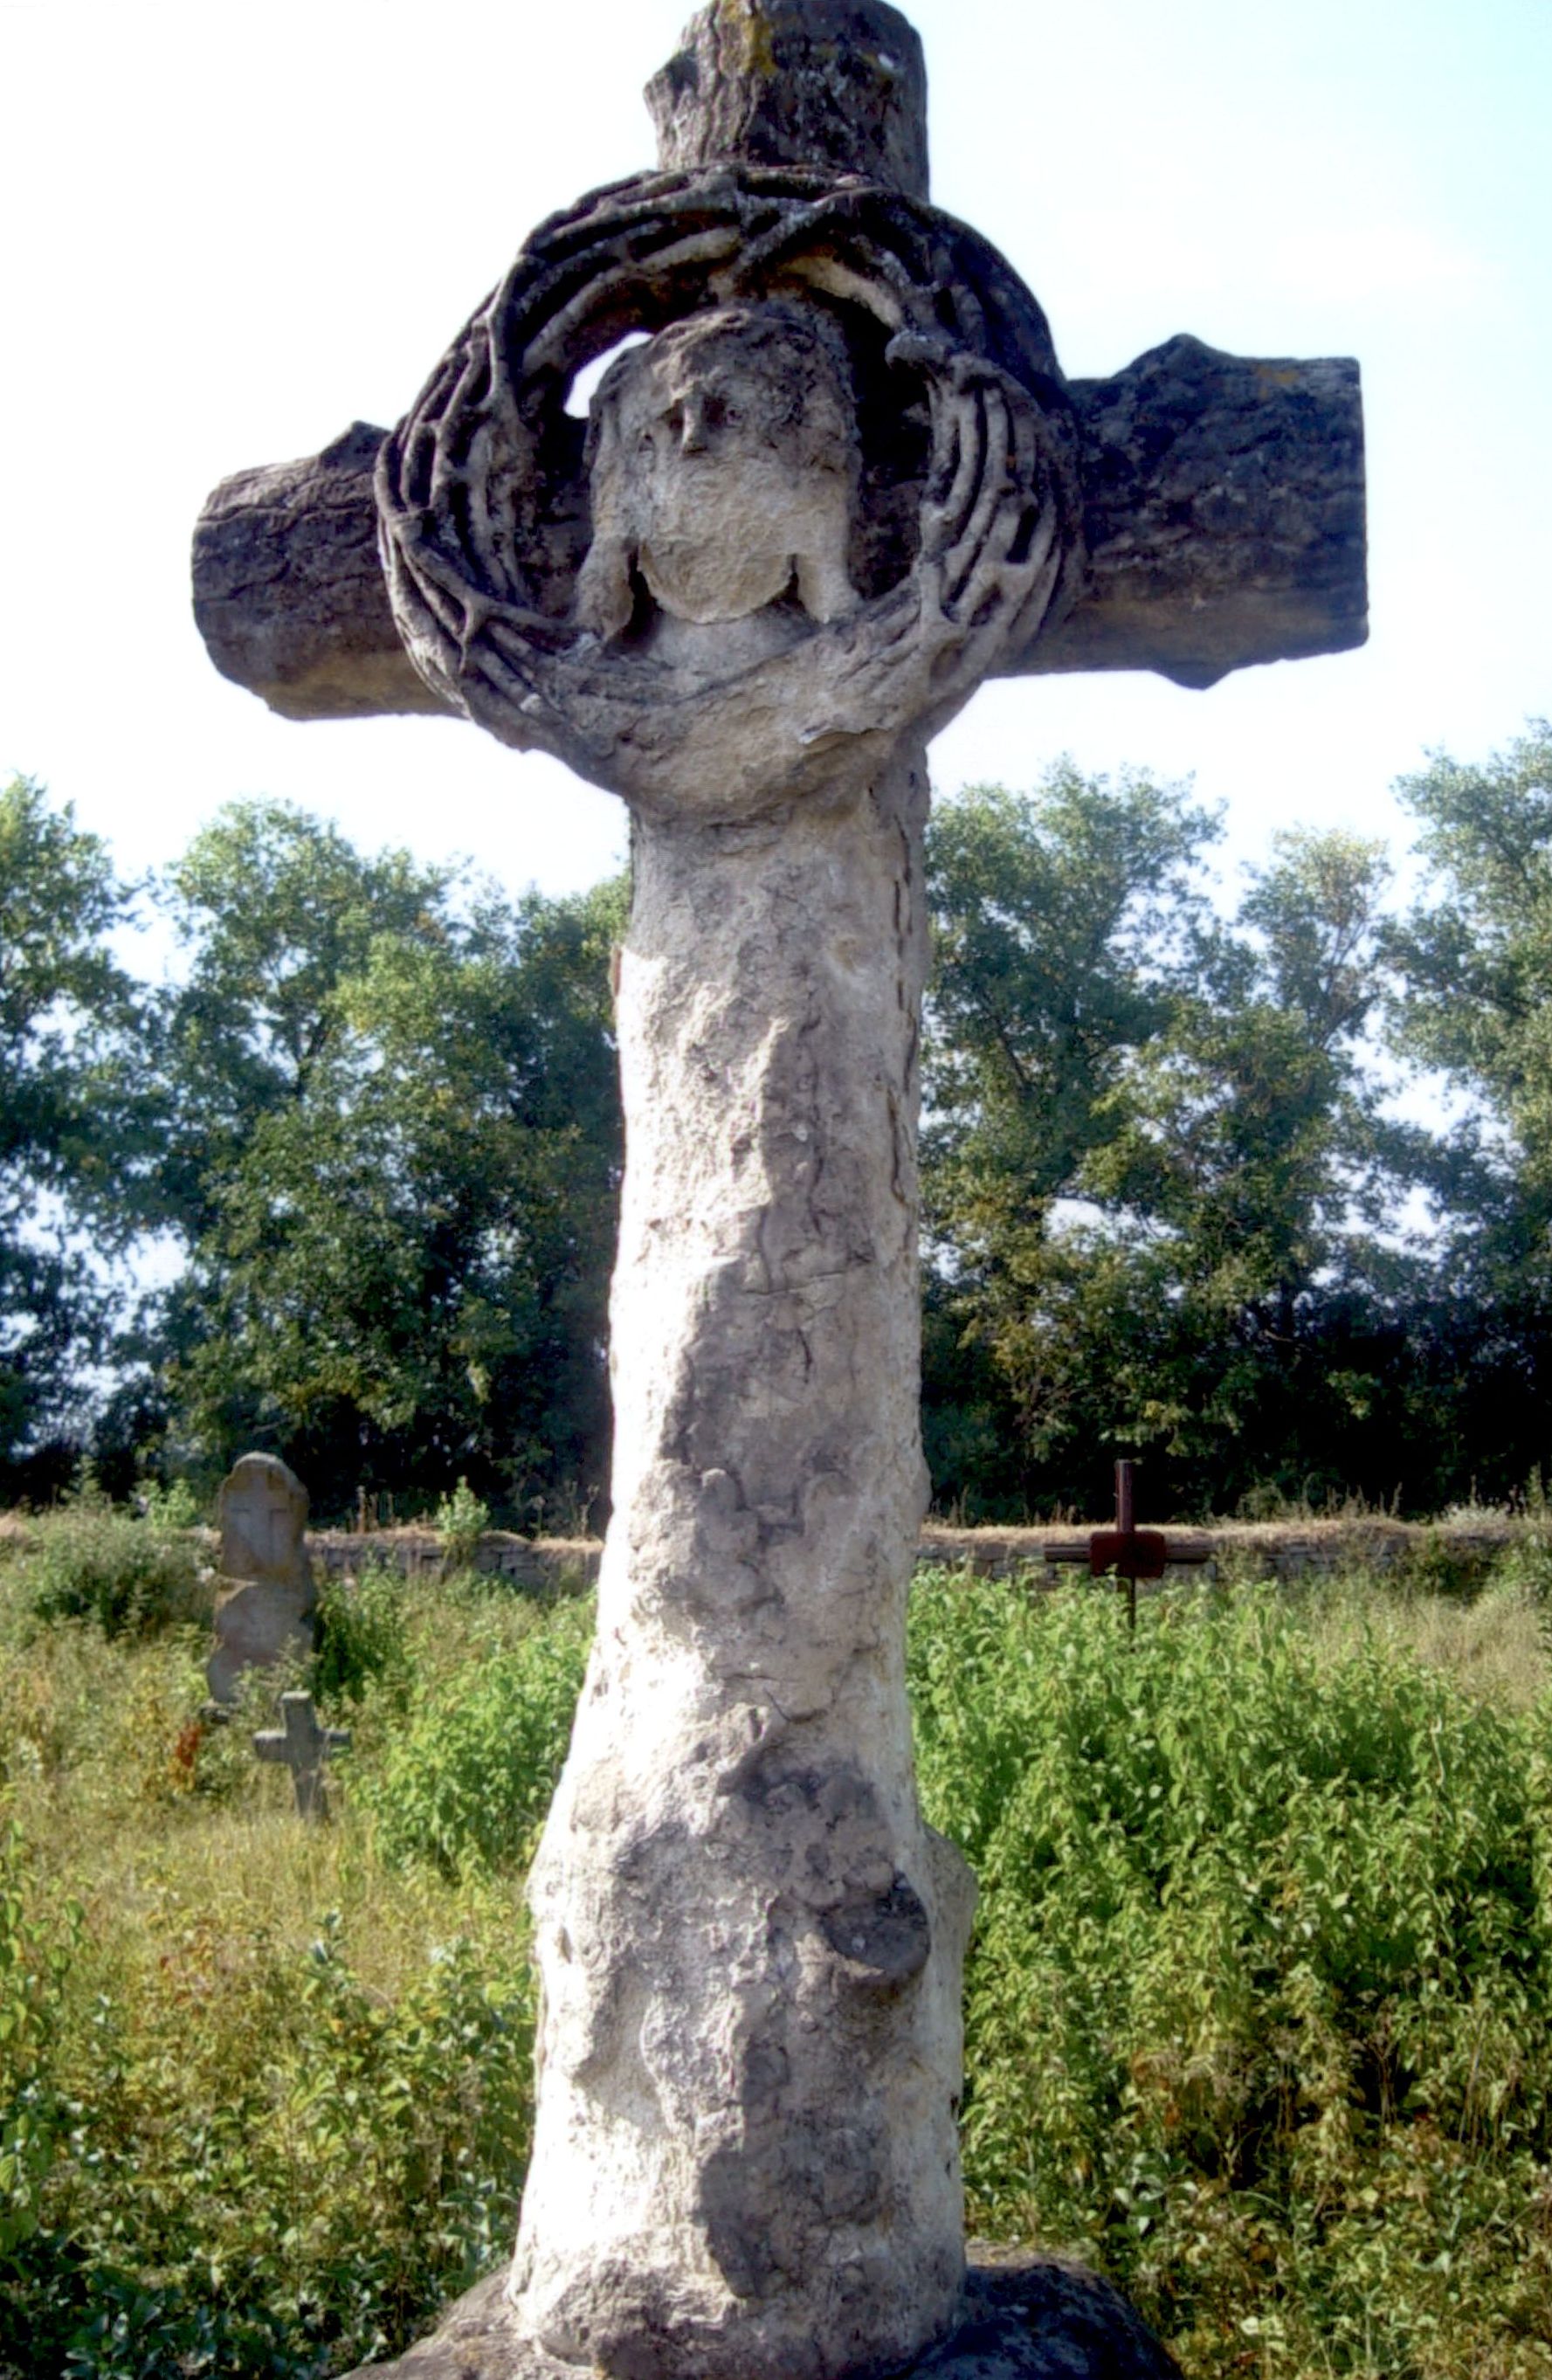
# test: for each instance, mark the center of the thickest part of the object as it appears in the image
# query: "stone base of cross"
(1025, 2315)
(304, 1746)
(838, 481)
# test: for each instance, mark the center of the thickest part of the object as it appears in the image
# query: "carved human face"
(723, 462)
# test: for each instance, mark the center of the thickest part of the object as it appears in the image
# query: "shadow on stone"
(1027, 2317)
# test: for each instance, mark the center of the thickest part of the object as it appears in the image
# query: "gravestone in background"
(265, 1595)
(842, 482)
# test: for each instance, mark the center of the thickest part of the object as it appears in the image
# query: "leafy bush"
(34, 1961)
(94, 1561)
(460, 1520)
(284, 2185)
(1259, 2009)
(468, 1780)
(362, 1638)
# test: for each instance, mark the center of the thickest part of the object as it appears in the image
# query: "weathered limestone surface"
(818, 511)
(717, 2195)
(690, 697)
(288, 589)
(1024, 2316)
(840, 83)
(1249, 1549)
(1223, 510)
(265, 1595)
(1223, 517)
(302, 1744)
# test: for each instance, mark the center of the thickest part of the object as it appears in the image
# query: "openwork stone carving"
(540, 616)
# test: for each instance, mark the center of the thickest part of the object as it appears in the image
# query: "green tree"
(1253, 1335)
(275, 910)
(395, 1165)
(1473, 966)
(1064, 923)
(70, 1128)
(1475, 953)
(1157, 1169)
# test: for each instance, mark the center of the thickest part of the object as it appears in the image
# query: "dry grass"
(1495, 1646)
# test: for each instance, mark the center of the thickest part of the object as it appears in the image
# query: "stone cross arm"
(1221, 497)
(1223, 523)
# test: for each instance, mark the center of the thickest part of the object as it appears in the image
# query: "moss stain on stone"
(746, 24)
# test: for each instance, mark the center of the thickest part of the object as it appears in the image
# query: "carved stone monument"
(841, 482)
(265, 1595)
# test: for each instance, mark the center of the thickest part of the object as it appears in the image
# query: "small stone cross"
(304, 1746)
(1132, 1553)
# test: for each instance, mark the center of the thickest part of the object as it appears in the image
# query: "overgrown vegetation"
(1259, 2008)
(1259, 2005)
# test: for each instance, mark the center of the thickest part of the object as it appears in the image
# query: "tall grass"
(264, 2089)
(1259, 2005)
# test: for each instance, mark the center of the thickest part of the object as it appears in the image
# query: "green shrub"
(170, 1504)
(469, 1778)
(35, 1953)
(1441, 1562)
(286, 2185)
(94, 1561)
(1259, 2008)
(362, 1640)
(460, 1520)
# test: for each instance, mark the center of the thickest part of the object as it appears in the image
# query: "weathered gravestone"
(265, 1595)
(844, 481)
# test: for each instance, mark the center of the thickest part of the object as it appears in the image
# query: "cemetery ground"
(1259, 2005)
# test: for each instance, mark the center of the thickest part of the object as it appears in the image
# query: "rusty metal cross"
(1130, 1552)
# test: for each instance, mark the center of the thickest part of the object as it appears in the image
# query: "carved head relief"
(833, 488)
(723, 460)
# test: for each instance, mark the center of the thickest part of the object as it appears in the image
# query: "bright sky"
(229, 230)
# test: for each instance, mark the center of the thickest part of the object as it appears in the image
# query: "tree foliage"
(1165, 1236)
(394, 1154)
(69, 1129)
(1472, 998)
(1173, 1206)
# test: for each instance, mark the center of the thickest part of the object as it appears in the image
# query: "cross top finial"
(836, 83)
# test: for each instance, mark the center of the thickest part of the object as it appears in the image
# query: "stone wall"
(1453, 1549)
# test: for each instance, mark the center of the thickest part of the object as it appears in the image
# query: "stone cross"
(842, 482)
(304, 1746)
(265, 1593)
(1132, 1553)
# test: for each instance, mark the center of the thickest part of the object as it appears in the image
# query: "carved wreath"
(513, 592)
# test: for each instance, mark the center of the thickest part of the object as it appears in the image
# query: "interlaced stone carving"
(533, 612)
